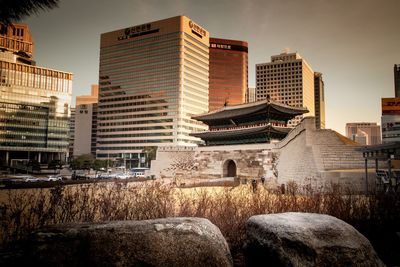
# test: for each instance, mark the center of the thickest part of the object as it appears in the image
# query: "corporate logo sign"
(197, 30)
(137, 31)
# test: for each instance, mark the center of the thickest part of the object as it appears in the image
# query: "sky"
(354, 43)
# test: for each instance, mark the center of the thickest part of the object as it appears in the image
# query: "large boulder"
(305, 239)
(160, 242)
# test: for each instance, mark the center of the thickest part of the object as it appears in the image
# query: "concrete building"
(251, 94)
(396, 70)
(390, 119)
(228, 73)
(86, 123)
(319, 96)
(34, 103)
(289, 79)
(364, 133)
(153, 77)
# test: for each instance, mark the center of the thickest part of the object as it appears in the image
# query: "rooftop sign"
(196, 29)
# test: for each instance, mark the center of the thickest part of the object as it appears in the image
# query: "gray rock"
(161, 242)
(305, 239)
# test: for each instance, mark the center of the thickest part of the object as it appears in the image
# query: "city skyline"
(356, 53)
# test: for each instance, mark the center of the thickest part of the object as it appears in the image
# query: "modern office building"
(390, 119)
(288, 79)
(86, 123)
(71, 134)
(365, 133)
(228, 73)
(396, 70)
(251, 94)
(153, 77)
(319, 96)
(34, 103)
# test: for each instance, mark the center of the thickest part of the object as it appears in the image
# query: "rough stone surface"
(161, 242)
(305, 239)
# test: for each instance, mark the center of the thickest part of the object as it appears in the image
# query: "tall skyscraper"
(319, 96)
(365, 133)
(289, 79)
(86, 123)
(228, 72)
(396, 70)
(34, 102)
(153, 77)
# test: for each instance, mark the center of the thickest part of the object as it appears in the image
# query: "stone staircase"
(333, 151)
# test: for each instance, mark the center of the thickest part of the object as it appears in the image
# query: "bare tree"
(15, 10)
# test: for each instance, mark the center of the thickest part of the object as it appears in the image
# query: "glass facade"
(228, 73)
(34, 111)
(34, 108)
(34, 103)
(152, 78)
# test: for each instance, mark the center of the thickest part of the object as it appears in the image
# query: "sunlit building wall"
(289, 79)
(251, 94)
(228, 72)
(153, 77)
(34, 104)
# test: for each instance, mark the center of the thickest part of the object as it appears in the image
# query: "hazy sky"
(354, 43)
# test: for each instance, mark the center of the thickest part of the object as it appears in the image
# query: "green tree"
(15, 10)
(82, 162)
(98, 165)
(150, 152)
(34, 166)
(54, 165)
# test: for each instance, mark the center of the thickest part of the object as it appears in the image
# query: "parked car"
(31, 179)
(122, 176)
(54, 178)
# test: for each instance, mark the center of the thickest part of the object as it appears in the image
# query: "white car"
(54, 178)
(31, 179)
(122, 176)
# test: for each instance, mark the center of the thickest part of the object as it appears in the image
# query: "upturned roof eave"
(231, 112)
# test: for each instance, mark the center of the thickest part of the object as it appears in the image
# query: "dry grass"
(22, 211)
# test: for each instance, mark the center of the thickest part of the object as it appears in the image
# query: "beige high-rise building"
(365, 133)
(86, 123)
(153, 77)
(289, 79)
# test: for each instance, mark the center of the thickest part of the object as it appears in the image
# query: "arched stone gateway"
(229, 169)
